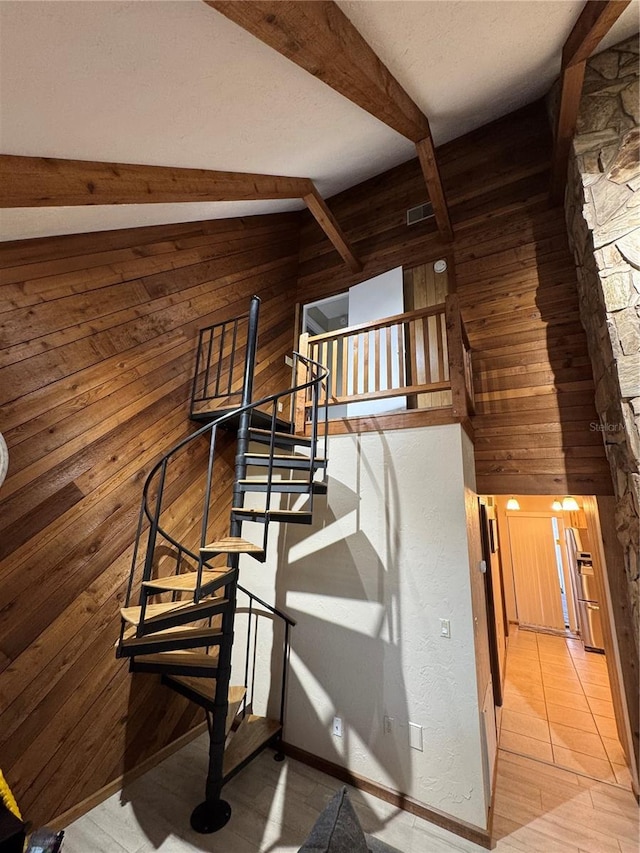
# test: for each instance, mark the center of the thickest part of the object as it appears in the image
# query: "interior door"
(369, 301)
(535, 571)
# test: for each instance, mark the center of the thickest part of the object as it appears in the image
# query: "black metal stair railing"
(154, 542)
(153, 490)
(220, 363)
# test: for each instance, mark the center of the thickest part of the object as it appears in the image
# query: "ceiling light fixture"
(512, 503)
(570, 504)
(556, 506)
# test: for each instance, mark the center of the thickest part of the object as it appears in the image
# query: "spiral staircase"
(182, 600)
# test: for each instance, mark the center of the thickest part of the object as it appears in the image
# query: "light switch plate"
(415, 736)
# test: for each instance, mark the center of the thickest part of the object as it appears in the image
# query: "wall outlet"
(445, 628)
(337, 727)
(415, 736)
(387, 725)
(280, 407)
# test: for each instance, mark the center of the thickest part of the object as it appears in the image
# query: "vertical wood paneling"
(97, 348)
(516, 281)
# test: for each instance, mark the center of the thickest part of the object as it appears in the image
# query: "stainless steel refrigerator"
(585, 595)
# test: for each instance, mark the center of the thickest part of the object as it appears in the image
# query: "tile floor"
(557, 707)
(538, 808)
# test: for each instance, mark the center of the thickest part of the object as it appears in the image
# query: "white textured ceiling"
(177, 84)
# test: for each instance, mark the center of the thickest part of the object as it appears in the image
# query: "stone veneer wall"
(603, 217)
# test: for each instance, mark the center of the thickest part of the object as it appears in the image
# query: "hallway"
(557, 707)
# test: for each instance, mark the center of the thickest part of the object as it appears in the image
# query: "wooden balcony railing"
(421, 357)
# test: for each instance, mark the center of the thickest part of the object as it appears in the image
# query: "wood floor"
(538, 807)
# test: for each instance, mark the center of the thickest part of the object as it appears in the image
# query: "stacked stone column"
(603, 218)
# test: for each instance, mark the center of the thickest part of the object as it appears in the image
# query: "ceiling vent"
(419, 213)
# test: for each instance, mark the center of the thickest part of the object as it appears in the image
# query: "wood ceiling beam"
(594, 22)
(320, 38)
(327, 221)
(47, 182)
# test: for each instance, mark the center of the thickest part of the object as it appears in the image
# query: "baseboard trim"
(479, 836)
(117, 784)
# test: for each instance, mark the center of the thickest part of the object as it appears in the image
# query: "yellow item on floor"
(7, 797)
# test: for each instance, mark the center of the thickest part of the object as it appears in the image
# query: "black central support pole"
(214, 812)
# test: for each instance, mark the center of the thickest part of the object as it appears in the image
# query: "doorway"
(562, 694)
(371, 300)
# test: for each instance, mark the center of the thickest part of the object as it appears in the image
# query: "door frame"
(492, 634)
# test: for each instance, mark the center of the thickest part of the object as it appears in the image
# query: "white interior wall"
(386, 558)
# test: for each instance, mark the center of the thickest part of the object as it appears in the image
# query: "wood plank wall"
(97, 349)
(517, 285)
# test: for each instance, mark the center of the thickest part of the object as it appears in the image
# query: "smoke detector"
(440, 266)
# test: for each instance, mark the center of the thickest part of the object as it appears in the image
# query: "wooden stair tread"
(232, 545)
(205, 687)
(299, 457)
(184, 657)
(185, 582)
(275, 480)
(252, 734)
(282, 436)
(153, 611)
(178, 632)
(270, 511)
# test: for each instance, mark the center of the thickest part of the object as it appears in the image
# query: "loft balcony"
(409, 369)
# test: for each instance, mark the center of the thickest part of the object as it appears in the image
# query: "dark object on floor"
(45, 841)
(338, 830)
(12, 833)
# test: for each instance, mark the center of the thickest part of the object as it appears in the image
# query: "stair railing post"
(214, 813)
(456, 356)
(300, 379)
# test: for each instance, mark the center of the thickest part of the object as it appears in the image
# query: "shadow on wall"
(347, 646)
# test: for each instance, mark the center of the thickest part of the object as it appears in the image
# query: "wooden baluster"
(445, 347)
(344, 383)
(333, 379)
(403, 379)
(426, 346)
(415, 373)
(440, 347)
(324, 361)
(376, 360)
(355, 344)
(387, 333)
(365, 362)
(300, 416)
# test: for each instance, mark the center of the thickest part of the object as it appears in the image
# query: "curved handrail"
(295, 389)
(275, 610)
(152, 510)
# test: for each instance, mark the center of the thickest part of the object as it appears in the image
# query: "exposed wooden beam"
(327, 221)
(320, 38)
(568, 106)
(427, 157)
(46, 182)
(594, 22)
